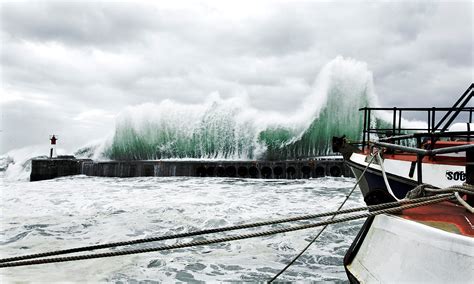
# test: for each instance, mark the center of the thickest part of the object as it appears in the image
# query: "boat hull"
(373, 187)
(396, 250)
(401, 176)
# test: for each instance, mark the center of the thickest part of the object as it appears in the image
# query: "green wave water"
(232, 129)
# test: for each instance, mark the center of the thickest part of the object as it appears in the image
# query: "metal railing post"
(365, 129)
(394, 120)
(470, 173)
(368, 125)
(399, 124)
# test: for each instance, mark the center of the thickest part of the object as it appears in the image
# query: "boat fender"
(378, 196)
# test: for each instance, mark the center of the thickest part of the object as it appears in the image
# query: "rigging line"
(223, 239)
(465, 188)
(384, 175)
(463, 203)
(325, 226)
(216, 230)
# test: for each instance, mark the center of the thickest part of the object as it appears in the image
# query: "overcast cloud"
(69, 68)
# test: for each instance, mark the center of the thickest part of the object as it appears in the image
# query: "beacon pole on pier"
(52, 151)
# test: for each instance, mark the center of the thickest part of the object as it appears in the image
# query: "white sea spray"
(78, 211)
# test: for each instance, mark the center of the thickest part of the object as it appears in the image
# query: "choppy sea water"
(79, 211)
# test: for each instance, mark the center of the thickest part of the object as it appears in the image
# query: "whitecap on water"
(80, 211)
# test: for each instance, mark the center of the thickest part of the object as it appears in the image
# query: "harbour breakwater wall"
(42, 169)
(296, 169)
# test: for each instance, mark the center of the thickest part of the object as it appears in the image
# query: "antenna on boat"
(463, 100)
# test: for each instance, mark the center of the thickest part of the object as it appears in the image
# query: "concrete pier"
(296, 169)
(42, 169)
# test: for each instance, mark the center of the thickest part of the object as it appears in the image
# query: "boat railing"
(425, 152)
(421, 153)
(438, 119)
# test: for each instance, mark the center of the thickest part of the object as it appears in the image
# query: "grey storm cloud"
(77, 23)
(69, 67)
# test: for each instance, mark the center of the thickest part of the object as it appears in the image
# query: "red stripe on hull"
(444, 213)
(441, 160)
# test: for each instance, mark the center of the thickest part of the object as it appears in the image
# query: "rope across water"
(324, 228)
(216, 230)
(13, 262)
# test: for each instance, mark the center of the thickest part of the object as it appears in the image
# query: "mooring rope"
(466, 188)
(463, 203)
(384, 175)
(456, 189)
(428, 200)
(325, 226)
(218, 230)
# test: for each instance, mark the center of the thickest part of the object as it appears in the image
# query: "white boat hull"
(396, 250)
(399, 177)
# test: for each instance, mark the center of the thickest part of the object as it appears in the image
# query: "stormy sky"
(69, 67)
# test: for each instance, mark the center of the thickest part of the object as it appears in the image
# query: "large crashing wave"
(232, 129)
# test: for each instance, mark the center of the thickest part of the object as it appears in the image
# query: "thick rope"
(463, 203)
(385, 179)
(217, 230)
(456, 189)
(427, 189)
(325, 226)
(220, 240)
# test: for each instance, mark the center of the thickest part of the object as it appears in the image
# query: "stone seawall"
(51, 168)
(42, 169)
